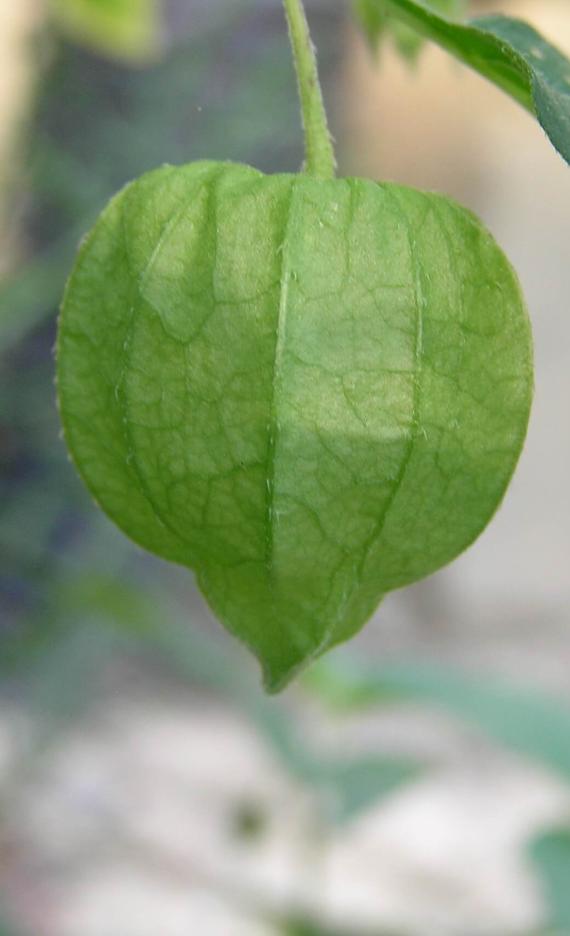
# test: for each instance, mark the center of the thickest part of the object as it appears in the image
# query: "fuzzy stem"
(319, 153)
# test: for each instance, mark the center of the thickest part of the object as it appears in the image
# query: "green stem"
(320, 159)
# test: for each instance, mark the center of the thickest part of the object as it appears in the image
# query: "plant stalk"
(319, 152)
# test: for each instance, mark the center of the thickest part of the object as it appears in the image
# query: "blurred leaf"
(347, 786)
(507, 51)
(378, 24)
(125, 29)
(358, 785)
(530, 722)
(551, 855)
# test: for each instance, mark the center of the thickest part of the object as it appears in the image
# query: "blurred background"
(415, 782)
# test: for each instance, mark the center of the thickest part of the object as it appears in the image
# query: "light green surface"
(311, 392)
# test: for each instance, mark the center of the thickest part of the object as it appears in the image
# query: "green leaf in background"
(551, 855)
(358, 785)
(311, 392)
(124, 29)
(347, 786)
(508, 52)
(529, 722)
(378, 23)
